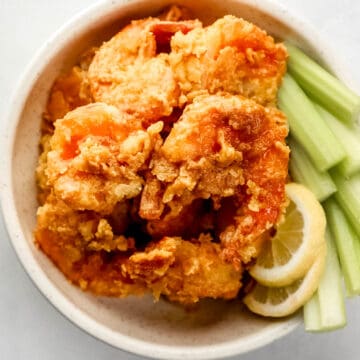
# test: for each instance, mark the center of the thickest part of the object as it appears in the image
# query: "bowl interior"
(160, 329)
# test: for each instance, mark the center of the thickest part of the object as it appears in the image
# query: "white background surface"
(30, 328)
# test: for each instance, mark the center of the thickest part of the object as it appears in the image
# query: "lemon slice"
(283, 301)
(299, 237)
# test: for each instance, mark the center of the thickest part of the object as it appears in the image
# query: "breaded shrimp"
(184, 271)
(171, 171)
(265, 171)
(230, 55)
(202, 156)
(69, 91)
(131, 70)
(95, 155)
(80, 243)
(223, 146)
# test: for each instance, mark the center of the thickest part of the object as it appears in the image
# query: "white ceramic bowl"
(160, 330)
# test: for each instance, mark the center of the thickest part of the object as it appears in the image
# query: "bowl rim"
(22, 248)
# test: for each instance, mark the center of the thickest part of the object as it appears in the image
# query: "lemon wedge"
(283, 301)
(299, 238)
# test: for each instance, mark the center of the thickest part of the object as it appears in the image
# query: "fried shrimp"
(230, 55)
(131, 71)
(265, 198)
(163, 159)
(198, 160)
(79, 243)
(69, 91)
(223, 146)
(95, 155)
(184, 271)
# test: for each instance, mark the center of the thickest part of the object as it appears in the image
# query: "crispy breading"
(44, 188)
(96, 155)
(198, 158)
(223, 146)
(184, 271)
(230, 55)
(69, 91)
(78, 244)
(194, 218)
(72, 89)
(131, 72)
(265, 198)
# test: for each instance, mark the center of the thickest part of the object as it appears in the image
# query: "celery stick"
(326, 309)
(357, 248)
(308, 127)
(330, 290)
(322, 86)
(311, 313)
(348, 196)
(357, 251)
(345, 239)
(303, 171)
(349, 136)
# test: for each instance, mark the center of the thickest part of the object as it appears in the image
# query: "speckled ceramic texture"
(160, 330)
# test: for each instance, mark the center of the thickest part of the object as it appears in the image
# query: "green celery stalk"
(348, 196)
(303, 171)
(323, 87)
(349, 136)
(326, 309)
(345, 240)
(330, 291)
(311, 312)
(357, 248)
(308, 127)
